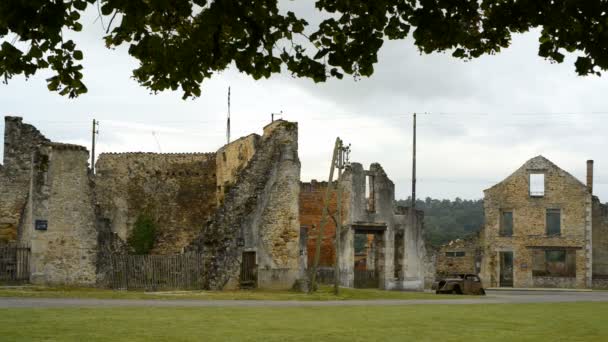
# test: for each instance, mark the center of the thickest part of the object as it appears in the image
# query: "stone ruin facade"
(242, 202)
(544, 228)
(459, 256)
(396, 251)
(241, 198)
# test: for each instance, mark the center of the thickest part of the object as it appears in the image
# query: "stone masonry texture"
(452, 264)
(176, 190)
(258, 214)
(61, 194)
(20, 141)
(563, 192)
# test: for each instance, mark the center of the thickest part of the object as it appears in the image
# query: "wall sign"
(41, 224)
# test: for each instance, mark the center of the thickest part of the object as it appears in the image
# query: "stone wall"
(398, 234)
(232, 159)
(59, 220)
(451, 264)
(562, 191)
(259, 214)
(600, 239)
(178, 191)
(20, 141)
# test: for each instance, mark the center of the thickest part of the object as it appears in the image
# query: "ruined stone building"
(459, 256)
(239, 208)
(397, 250)
(240, 200)
(544, 228)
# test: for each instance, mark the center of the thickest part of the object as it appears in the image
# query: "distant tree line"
(446, 220)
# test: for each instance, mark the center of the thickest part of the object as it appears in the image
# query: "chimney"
(590, 176)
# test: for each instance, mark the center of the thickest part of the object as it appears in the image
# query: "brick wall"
(312, 197)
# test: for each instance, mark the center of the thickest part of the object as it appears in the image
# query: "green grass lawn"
(491, 322)
(324, 293)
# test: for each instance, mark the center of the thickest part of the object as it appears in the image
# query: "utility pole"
(228, 121)
(277, 114)
(324, 214)
(414, 167)
(94, 132)
(342, 162)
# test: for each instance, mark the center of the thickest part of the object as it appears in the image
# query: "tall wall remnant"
(258, 215)
(20, 141)
(59, 219)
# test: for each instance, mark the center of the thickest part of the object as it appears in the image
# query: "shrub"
(143, 236)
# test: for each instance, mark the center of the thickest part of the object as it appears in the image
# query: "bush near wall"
(143, 236)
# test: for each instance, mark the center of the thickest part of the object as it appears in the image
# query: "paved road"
(498, 297)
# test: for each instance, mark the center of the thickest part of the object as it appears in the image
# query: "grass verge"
(496, 322)
(324, 293)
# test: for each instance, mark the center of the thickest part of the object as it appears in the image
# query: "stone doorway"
(248, 270)
(369, 251)
(506, 269)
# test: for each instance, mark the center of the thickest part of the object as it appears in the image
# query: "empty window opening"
(554, 263)
(537, 184)
(506, 223)
(369, 194)
(455, 254)
(399, 254)
(553, 221)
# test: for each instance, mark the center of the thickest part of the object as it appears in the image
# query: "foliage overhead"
(180, 43)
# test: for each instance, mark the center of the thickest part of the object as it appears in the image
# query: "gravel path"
(498, 297)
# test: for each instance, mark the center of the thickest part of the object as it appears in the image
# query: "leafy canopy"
(180, 43)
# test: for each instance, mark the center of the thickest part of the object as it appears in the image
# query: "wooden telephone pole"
(342, 162)
(414, 166)
(324, 214)
(94, 133)
(228, 120)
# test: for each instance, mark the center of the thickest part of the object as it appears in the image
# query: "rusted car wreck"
(469, 284)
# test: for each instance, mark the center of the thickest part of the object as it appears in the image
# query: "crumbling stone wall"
(400, 250)
(20, 141)
(562, 191)
(449, 263)
(231, 159)
(59, 220)
(177, 190)
(600, 240)
(260, 214)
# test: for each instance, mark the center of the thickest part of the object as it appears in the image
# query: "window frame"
(532, 191)
(553, 211)
(501, 227)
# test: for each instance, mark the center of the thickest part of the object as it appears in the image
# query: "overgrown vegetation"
(142, 238)
(446, 220)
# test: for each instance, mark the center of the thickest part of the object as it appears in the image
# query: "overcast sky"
(486, 117)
